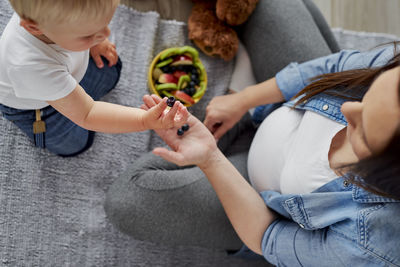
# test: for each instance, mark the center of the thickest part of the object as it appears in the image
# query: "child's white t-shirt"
(33, 72)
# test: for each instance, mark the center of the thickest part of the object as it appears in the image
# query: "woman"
(156, 201)
(351, 217)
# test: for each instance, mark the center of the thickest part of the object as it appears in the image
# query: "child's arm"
(99, 116)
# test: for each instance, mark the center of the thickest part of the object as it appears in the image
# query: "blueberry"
(180, 132)
(194, 76)
(185, 127)
(192, 91)
(165, 69)
(170, 101)
(188, 68)
(192, 84)
(189, 91)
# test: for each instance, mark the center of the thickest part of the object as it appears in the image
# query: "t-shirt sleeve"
(45, 82)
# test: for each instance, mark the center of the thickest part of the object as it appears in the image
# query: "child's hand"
(157, 117)
(105, 49)
(195, 146)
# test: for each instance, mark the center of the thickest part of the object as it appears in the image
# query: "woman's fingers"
(212, 124)
(220, 130)
(169, 155)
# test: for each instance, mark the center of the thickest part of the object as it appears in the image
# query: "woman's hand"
(105, 49)
(195, 147)
(157, 115)
(223, 112)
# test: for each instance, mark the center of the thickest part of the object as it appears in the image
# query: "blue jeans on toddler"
(62, 136)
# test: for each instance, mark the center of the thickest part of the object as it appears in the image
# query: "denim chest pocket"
(295, 207)
(313, 214)
(379, 232)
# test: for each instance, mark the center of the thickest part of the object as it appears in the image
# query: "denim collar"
(362, 196)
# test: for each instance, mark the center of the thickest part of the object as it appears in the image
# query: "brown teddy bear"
(210, 25)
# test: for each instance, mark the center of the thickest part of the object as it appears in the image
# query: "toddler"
(56, 63)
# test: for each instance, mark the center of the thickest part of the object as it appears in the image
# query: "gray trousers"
(157, 201)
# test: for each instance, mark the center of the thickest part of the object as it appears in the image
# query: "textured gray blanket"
(51, 208)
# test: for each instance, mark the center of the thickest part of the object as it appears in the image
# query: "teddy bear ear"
(235, 12)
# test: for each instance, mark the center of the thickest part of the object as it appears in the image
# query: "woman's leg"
(280, 32)
(157, 201)
(322, 25)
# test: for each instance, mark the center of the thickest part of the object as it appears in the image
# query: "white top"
(242, 75)
(289, 152)
(33, 72)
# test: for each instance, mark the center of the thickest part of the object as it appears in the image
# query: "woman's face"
(374, 121)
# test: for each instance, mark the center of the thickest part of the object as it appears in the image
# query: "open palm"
(192, 148)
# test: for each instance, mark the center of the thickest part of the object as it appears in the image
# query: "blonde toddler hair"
(62, 11)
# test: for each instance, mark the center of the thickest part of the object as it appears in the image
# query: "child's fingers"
(184, 113)
(170, 115)
(156, 98)
(144, 107)
(99, 62)
(113, 57)
(181, 116)
(158, 109)
(149, 101)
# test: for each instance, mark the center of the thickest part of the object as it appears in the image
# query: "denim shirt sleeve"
(286, 244)
(296, 76)
(339, 224)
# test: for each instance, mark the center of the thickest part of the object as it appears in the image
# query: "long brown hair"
(380, 173)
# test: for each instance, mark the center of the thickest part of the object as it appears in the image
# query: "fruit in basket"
(178, 72)
(182, 60)
(183, 97)
(167, 78)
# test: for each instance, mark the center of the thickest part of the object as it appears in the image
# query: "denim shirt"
(339, 224)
